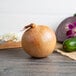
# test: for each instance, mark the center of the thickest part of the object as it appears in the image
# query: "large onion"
(38, 41)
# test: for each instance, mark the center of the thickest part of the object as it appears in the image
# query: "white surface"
(15, 14)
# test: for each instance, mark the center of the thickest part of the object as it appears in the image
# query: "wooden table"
(15, 62)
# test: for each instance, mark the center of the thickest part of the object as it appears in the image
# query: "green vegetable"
(69, 45)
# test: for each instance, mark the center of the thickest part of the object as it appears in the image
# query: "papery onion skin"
(39, 41)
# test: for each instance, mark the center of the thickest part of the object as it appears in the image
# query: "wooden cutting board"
(10, 44)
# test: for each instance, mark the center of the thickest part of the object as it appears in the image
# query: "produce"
(66, 29)
(69, 45)
(9, 40)
(38, 40)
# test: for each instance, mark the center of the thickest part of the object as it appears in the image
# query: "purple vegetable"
(66, 29)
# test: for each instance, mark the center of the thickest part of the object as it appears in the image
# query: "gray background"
(15, 14)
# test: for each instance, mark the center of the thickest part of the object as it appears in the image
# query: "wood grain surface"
(10, 44)
(15, 62)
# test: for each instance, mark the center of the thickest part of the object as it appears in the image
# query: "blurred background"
(15, 14)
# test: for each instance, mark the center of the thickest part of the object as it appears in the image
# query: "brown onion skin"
(38, 41)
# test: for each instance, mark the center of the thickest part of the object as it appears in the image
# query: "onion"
(66, 29)
(38, 41)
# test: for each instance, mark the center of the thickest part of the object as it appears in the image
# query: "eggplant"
(66, 29)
